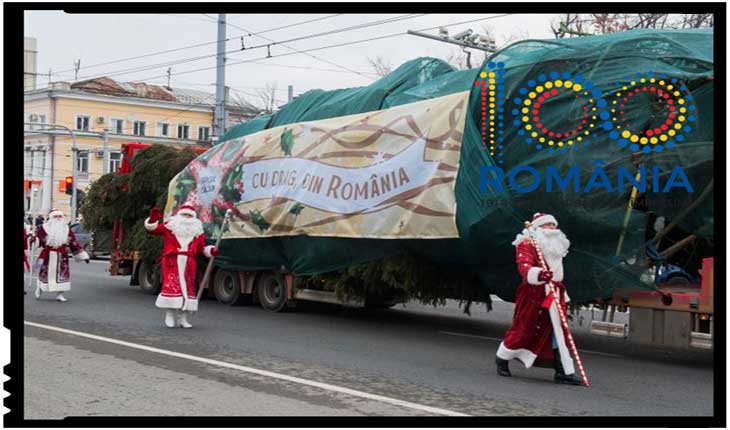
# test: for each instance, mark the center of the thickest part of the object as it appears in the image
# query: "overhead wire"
(282, 43)
(197, 45)
(337, 45)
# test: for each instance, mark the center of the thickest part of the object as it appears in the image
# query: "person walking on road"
(536, 336)
(57, 241)
(184, 239)
(26, 263)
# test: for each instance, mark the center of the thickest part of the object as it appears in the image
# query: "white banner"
(338, 189)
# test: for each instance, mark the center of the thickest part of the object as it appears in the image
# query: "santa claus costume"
(536, 336)
(26, 263)
(57, 241)
(183, 241)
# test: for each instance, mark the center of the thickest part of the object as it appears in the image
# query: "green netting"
(488, 221)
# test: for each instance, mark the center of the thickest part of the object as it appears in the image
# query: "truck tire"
(226, 287)
(149, 278)
(271, 291)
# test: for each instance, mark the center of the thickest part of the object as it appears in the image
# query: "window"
(42, 119)
(115, 160)
(139, 128)
(163, 129)
(183, 131)
(82, 162)
(82, 122)
(117, 126)
(203, 133)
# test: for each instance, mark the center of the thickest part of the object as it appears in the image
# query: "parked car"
(94, 243)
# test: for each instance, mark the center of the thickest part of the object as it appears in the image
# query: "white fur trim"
(544, 220)
(207, 250)
(526, 356)
(149, 226)
(189, 304)
(565, 358)
(53, 285)
(186, 211)
(81, 256)
(53, 213)
(532, 276)
(169, 302)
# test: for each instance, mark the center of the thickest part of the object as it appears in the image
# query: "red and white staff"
(563, 319)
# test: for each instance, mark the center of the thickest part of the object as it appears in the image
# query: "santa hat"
(55, 212)
(540, 219)
(188, 209)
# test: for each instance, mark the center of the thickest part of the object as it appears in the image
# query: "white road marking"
(587, 351)
(260, 372)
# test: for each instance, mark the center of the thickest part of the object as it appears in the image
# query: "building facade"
(103, 114)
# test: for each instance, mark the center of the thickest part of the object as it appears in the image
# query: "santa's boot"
(170, 318)
(560, 376)
(60, 297)
(37, 292)
(503, 367)
(184, 320)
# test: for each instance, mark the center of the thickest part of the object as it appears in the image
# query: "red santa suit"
(26, 264)
(536, 315)
(179, 291)
(57, 241)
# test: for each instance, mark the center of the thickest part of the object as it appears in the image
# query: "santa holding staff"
(537, 335)
(57, 242)
(184, 239)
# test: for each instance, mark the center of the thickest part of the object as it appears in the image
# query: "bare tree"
(605, 23)
(380, 66)
(517, 34)
(458, 59)
(697, 20)
(267, 97)
(240, 102)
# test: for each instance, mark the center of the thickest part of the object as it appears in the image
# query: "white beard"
(184, 229)
(554, 246)
(57, 231)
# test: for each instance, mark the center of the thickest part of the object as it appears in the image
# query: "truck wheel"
(271, 291)
(149, 278)
(226, 287)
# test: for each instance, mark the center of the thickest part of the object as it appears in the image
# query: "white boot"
(184, 320)
(37, 292)
(169, 318)
(60, 297)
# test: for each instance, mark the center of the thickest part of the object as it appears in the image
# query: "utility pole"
(74, 150)
(291, 93)
(220, 82)
(105, 136)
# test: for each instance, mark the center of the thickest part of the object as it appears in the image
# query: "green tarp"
(488, 221)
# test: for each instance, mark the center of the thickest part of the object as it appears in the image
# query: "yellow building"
(102, 112)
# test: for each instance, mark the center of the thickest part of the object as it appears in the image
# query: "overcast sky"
(63, 38)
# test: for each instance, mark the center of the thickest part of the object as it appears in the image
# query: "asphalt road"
(243, 360)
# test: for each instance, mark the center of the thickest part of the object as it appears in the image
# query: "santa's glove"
(214, 251)
(155, 215)
(545, 276)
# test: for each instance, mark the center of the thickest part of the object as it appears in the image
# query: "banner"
(383, 174)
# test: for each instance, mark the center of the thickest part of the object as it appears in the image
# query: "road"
(106, 352)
